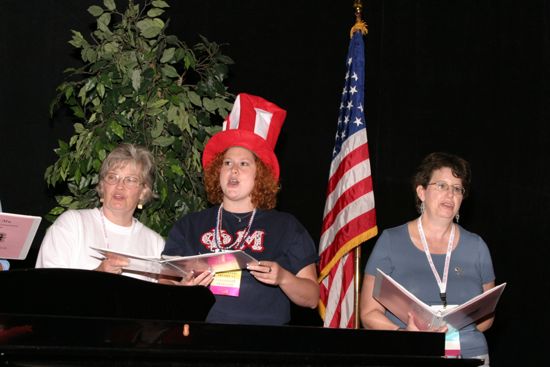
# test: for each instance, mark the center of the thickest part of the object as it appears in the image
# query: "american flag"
(349, 217)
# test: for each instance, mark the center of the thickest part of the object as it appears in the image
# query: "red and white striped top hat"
(254, 124)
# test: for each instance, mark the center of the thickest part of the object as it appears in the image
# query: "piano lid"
(72, 292)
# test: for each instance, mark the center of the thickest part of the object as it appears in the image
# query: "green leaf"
(189, 60)
(64, 200)
(158, 103)
(89, 54)
(153, 112)
(194, 98)
(78, 112)
(157, 130)
(96, 164)
(57, 211)
(79, 128)
(110, 47)
(164, 141)
(163, 193)
(100, 90)
(95, 10)
(103, 22)
(78, 40)
(167, 55)
(109, 4)
(183, 121)
(154, 13)
(160, 4)
(101, 153)
(170, 71)
(69, 91)
(209, 105)
(176, 169)
(150, 28)
(172, 40)
(136, 79)
(117, 129)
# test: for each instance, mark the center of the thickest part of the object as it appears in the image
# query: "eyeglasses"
(443, 186)
(130, 182)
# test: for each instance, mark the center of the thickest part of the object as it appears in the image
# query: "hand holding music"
(411, 326)
(113, 264)
(268, 272)
(204, 279)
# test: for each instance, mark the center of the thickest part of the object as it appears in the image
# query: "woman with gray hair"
(125, 183)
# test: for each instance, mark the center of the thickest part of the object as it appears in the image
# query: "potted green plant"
(137, 84)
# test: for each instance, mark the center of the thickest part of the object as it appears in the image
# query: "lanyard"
(441, 283)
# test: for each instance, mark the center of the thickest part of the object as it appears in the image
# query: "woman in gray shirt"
(434, 258)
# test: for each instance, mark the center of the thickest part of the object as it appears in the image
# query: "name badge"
(227, 283)
(452, 343)
(452, 336)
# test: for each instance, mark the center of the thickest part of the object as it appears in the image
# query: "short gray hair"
(129, 153)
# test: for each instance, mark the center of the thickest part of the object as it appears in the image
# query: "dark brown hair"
(437, 160)
(264, 193)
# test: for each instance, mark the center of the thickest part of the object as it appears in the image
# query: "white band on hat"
(263, 120)
(234, 116)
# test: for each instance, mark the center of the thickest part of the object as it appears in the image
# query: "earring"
(100, 200)
(422, 207)
(140, 206)
(457, 217)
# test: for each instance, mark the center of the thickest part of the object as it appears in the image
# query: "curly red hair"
(264, 193)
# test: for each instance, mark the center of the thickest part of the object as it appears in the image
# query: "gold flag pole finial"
(359, 25)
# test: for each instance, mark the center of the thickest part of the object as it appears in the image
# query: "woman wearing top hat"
(241, 175)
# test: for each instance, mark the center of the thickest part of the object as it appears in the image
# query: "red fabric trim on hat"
(240, 138)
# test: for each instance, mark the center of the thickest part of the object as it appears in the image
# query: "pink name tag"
(227, 283)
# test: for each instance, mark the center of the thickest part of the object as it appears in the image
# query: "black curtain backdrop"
(470, 77)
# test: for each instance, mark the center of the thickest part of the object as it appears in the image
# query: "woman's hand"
(302, 288)
(113, 264)
(268, 272)
(411, 326)
(204, 279)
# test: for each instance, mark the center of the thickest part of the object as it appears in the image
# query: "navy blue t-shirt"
(273, 236)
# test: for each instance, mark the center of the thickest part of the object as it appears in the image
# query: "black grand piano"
(63, 317)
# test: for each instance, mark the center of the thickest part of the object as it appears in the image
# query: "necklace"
(104, 228)
(237, 217)
(442, 283)
(217, 235)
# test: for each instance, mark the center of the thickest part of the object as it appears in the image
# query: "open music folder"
(399, 301)
(180, 266)
(16, 234)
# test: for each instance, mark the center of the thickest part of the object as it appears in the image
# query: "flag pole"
(349, 217)
(362, 27)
